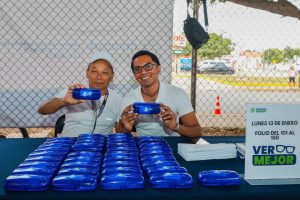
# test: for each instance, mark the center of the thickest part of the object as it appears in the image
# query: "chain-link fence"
(45, 46)
(248, 59)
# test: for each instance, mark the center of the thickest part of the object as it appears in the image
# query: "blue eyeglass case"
(88, 147)
(79, 171)
(93, 154)
(146, 139)
(121, 181)
(121, 164)
(171, 180)
(39, 164)
(109, 158)
(74, 182)
(161, 170)
(156, 152)
(121, 169)
(35, 170)
(86, 94)
(27, 182)
(89, 159)
(146, 108)
(44, 158)
(219, 178)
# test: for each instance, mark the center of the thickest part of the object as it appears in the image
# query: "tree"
(281, 7)
(273, 56)
(216, 47)
(290, 53)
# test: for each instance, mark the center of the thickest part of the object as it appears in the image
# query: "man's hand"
(168, 117)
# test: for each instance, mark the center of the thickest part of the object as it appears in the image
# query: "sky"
(248, 28)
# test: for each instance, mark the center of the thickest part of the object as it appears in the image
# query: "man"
(175, 103)
(85, 116)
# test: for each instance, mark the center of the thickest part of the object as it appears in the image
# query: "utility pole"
(194, 60)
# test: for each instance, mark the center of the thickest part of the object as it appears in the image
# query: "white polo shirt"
(171, 96)
(80, 118)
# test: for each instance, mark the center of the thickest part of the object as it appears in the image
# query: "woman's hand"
(68, 99)
(128, 119)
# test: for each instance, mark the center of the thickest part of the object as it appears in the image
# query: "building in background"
(180, 62)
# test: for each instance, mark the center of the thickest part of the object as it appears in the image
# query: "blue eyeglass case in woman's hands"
(146, 108)
(219, 178)
(86, 94)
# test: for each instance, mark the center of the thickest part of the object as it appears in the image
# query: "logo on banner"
(258, 110)
(273, 155)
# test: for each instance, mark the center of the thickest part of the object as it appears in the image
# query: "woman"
(85, 116)
(292, 75)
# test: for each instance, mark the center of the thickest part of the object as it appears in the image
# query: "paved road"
(232, 99)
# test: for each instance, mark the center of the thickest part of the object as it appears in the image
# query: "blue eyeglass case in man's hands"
(146, 108)
(219, 178)
(86, 94)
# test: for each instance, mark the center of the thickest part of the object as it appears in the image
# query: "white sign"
(179, 41)
(272, 141)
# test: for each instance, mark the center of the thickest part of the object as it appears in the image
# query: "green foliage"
(275, 55)
(216, 47)
(289, 53)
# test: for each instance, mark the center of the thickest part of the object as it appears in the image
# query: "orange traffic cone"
(218, 106)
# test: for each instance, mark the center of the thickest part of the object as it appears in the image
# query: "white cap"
(101, 55)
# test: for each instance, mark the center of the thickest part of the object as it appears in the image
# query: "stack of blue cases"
(160, 165)
(121, 167)
(39, 168)
(81, 169)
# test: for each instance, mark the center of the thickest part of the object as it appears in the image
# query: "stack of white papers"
(192, 152)
(240, 147)
(202, 141)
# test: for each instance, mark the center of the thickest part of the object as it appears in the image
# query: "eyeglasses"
(282, 148)
(146, 67)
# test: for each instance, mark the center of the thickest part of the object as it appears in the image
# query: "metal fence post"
(194, 61)
(24, 132)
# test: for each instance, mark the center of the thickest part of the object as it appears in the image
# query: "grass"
(244, 81)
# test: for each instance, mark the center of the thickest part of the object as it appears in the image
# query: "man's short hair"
(144, 53)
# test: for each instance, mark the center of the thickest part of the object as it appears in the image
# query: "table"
(14, 151)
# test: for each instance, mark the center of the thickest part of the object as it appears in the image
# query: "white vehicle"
(207, 63)
(210, 63)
